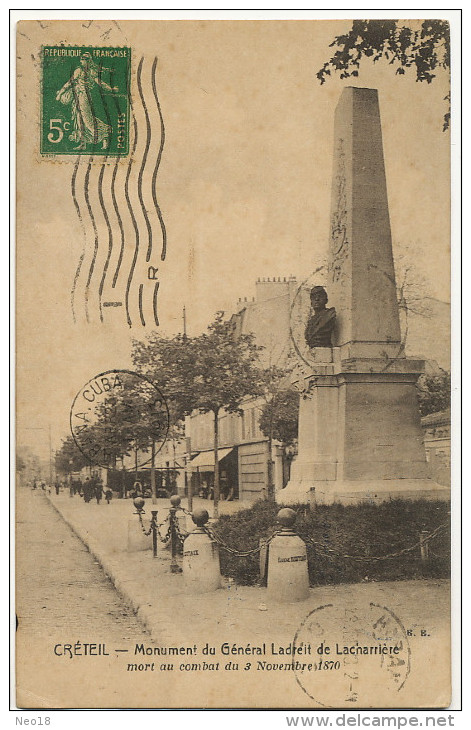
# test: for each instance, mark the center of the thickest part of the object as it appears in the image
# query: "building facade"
(243, 454)
(437, 441)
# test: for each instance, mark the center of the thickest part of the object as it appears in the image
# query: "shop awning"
(205, 459)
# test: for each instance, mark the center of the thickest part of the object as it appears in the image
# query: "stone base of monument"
(354, 492)
(360, 436)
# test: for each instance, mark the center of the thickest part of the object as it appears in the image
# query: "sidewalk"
(241, 614)
(169, 614)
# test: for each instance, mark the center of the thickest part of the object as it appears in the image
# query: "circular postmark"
(116, 414)
(360, 655)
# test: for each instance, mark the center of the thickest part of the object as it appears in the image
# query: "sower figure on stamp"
(77, 92)
(321, 322)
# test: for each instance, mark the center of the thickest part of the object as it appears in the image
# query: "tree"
(212, 372)
(165, 361)
(228, 372)
(426, 49)
(146, 423)
(279, 417)
(27, 463)
(411, 289)
(276, 380)
(434, 393)
(131, 418)
(279, 421)
(69, 458)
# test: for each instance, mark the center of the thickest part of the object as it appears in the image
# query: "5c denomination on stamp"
(85, 101)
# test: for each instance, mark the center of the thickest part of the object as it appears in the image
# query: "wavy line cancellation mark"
(113, 183)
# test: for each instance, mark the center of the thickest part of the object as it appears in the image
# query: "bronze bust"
(321, 322)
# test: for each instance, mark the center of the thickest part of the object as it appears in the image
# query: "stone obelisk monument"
(359, 426)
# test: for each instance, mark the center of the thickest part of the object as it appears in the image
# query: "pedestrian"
(57, 487)
(98, 490)
(137, 489)
(87, 490)
(108, 495)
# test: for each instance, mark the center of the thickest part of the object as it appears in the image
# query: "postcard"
(233, 364)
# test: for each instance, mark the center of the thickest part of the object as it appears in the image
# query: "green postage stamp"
(85, 101)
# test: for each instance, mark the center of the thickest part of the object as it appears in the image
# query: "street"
(66, 588)
(62, 596)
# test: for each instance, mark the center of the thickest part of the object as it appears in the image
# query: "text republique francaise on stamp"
(85, 101)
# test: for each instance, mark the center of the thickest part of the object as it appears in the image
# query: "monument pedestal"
(360, 436)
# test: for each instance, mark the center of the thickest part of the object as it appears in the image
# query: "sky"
(243, 186)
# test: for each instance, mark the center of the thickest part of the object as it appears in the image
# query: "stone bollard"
(288, 577)
(136, 539)
(201, 571)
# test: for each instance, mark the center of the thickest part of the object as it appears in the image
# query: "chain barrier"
(320, 547)
(164, 538)
(168, 534)
(330, 552)
(240, 553)
(181, 535)
(149, 531)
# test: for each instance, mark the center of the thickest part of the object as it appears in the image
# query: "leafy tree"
(134, 418)
(425, 49)
(69, 458)
(276, 380)
(27, 463)
(146, 423)
(279, 417)
(131, 419)
(165, 361)
(434, 393)
(227, 371)
(212, 372)
(106, 438)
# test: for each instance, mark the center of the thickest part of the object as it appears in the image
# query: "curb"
(158, 626)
